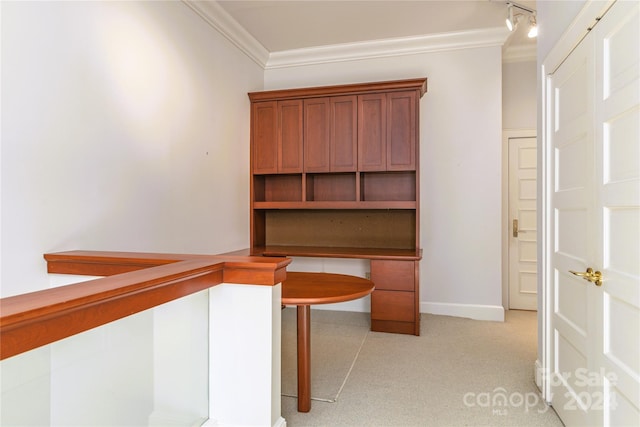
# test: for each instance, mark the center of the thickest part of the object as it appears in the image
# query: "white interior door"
(523, 276)
(594, 217)
(572, 175)
(617, 214)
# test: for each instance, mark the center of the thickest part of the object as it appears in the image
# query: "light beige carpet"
(336, 340)
(451, 375)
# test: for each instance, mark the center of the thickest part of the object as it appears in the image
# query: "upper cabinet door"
(290, 136)
(264, 130)
(372, 132)
(317, 113)
(344, 133)
(401, 131)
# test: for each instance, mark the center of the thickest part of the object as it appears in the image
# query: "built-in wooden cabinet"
(335, 173)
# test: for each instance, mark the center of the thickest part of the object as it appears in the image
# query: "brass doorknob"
(590, 275)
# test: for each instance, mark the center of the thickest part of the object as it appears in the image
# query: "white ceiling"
(285, 25)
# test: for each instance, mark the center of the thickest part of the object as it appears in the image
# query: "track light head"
(511, 23)
(533, 27)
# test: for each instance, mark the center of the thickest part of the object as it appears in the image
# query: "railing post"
(244, 355)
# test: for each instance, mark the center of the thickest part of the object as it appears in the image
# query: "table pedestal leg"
(304, 358)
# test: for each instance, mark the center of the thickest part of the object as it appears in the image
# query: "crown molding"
(520, 54)
(388, 48)
(229, 28)
(221, 21)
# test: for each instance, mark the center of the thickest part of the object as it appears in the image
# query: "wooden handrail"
(135, 282)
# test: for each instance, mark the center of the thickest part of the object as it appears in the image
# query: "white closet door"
(617, 213)
(572, 218)
(595, 221)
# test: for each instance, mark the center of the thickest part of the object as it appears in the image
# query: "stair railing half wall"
(137, 282)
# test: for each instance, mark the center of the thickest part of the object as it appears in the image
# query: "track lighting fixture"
(513, 18)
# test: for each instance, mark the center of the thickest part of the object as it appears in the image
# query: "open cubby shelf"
(336, 187)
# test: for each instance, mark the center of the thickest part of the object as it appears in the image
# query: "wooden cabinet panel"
(264, 140)
(317, 113)
(290, 136)
(393, 275)
(401, 131)
(393, 327)
(344, 133)
(330, 134)
(372, 132)
(387, 131)
(393, 305)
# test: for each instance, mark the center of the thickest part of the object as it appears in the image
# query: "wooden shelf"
(337, 252)
(335, 205)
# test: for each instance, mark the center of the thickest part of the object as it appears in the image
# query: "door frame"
(508, 134)
(576, 32)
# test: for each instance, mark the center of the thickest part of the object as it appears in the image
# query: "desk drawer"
(393, 275)
(393, 305)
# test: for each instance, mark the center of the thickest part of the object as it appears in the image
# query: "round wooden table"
(305, 289)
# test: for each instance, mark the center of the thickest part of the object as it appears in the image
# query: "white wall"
(553, 18)
(125, 126)
(519, 94)
(460, 157)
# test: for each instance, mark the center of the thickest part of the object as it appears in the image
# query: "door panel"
(617, 119)
(264, 137)
(344, 133)
(401, 131)
(572, 180)
(290, 136)
(316, 134)
(372, 132)
(594, 115)
(523, 275)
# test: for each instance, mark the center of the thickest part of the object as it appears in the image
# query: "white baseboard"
(166, 419)
(471, 311)
(280, 422)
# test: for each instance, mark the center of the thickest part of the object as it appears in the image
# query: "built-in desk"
(395, 302)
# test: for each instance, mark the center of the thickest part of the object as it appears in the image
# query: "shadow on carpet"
(335, 346)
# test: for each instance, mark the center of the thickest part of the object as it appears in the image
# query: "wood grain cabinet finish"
(330, 134)
(372, 132)
(264, 135)
(395, 301)
(401, 131)
(276, 132)
(335, 174)
(317, 128)
(387, 131)
(290, 136)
